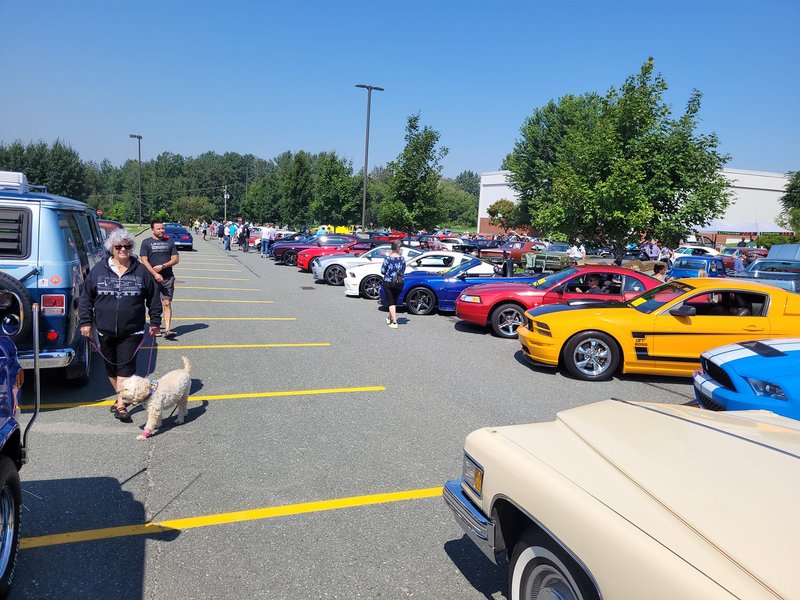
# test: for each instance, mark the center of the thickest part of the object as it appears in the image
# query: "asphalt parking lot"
(311, 461)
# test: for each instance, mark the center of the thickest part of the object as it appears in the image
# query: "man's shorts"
(167, 288)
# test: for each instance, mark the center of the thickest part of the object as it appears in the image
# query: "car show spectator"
(742, 243)
(393, 270)
(113, 301)
(159, 254)
(659, 272)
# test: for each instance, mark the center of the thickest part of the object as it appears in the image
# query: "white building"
(755, 196)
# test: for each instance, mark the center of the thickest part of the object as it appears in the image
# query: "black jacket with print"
(116, 304)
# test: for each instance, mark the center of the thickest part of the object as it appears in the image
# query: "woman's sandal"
(122, 415)
(170, 335)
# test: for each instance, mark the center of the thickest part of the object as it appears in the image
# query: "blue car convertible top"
(755, 375)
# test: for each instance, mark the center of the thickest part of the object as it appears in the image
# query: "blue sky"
(265, 77)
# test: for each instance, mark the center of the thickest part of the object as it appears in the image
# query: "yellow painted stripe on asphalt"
(350, 390)
(215, 278)
(240, 516)
(206, 270)
(192, 287)
(203, 319)
(232, 301)
(220, 346)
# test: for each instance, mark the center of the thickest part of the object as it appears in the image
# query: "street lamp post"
(138, 139)
(369, 89)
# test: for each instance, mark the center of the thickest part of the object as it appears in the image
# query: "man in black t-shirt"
(159, 255)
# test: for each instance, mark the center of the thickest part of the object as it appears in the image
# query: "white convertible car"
(333, 269)
(366, 280)
(633, 501)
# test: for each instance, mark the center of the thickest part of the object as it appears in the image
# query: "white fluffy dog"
(159, 395)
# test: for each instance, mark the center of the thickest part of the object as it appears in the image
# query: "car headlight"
(472, 474)
(767, 389)
(474, 299)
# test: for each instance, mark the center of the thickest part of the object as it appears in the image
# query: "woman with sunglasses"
(113, 299)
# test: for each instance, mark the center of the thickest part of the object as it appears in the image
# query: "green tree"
(460, 208)
(58, 167)
(335, 191)
(296, 190)
(187, 209)
(611, 169)
(470, 182)
(791, 202)
(413, 197)
(502, 213)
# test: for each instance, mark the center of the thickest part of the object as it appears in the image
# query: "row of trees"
(293, 188)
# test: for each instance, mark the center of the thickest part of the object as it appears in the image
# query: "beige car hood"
(733, 479)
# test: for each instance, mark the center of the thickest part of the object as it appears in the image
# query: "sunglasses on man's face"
(121, 246)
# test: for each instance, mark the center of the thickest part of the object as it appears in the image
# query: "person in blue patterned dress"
(393, 269)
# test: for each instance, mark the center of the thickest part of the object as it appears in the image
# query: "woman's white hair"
(119, 236)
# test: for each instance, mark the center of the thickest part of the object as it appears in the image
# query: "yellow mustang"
(661, 332)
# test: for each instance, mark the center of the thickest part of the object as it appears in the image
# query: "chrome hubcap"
(592, 357)
(509, 320)
(546, 583)
(9, 525)
(371, 288)
(335, 275)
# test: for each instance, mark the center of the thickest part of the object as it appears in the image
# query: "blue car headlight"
(767, 389)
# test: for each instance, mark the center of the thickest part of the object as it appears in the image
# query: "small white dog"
(159, 395)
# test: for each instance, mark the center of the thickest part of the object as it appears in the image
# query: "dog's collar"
(153, 387)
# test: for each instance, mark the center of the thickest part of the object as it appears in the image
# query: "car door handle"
(753, 328)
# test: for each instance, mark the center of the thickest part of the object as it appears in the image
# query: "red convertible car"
(502, 305)
(286, 253)
(305, 257)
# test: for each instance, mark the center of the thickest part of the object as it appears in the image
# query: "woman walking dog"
(113, 299)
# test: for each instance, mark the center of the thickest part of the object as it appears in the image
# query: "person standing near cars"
(113, 299)
(159, 254)
(393, 271)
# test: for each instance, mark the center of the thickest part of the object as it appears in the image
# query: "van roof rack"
(17, 182)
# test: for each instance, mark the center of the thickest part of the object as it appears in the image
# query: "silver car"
(332, 269)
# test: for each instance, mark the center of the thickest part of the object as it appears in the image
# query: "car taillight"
(53, 304)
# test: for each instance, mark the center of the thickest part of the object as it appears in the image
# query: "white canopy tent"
(757, 227)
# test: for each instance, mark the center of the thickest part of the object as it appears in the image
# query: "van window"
(85, 229)
(72, 237)
(94, 229)
(15, 233)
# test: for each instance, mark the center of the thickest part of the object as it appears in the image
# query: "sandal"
(170, 335)
(122, 415)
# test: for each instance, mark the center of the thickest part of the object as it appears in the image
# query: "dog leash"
(96, 346)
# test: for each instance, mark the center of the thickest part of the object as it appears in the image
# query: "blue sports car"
(423, 292)
(752, 375)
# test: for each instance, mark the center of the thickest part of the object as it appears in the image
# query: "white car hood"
(732, 478)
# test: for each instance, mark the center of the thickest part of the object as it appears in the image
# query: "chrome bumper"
(475, 524)
(48, 359)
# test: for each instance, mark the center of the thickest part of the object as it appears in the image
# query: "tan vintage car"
(636, 501)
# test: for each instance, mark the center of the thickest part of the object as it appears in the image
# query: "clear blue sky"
(263, 77)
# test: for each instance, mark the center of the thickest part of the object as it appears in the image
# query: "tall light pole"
(369, 89)
(138, 138)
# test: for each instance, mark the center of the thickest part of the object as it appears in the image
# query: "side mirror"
(683, 311)
(462, 275)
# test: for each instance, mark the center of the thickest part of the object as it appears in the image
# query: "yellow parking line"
(240, 516)
(351, 390)
(234, 318)
(179, 268)
(191, 287)
(232, 301)
(215, 278)
(220, 346)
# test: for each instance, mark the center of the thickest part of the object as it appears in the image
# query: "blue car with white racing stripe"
(752, 375)
(424, 292)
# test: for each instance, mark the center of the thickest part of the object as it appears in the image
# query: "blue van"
(48, 245)
(691, 266)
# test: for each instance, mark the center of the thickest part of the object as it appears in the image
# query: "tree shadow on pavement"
(485, 577)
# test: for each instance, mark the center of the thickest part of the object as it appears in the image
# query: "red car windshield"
(547, 282)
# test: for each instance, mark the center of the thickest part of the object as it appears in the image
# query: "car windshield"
(453, 271)
(658, 297)
(558, 247)
(729, 251)
(553, 279)
(780, 266)
(691, 264)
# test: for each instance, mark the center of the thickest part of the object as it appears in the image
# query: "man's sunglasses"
(121, 246)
